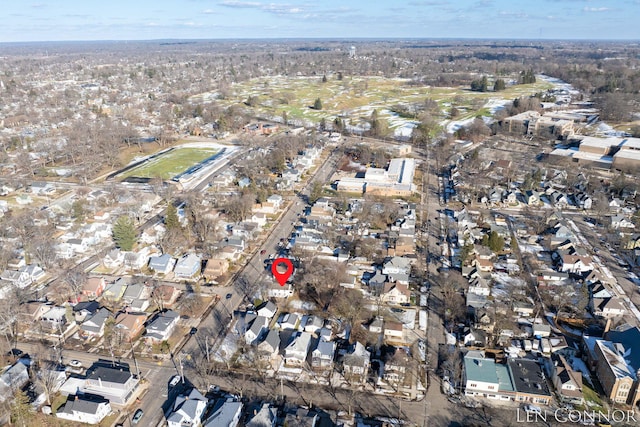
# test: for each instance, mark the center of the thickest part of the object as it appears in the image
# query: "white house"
(161, 328)
(295, 354)
(187, 410)
(576, 264)
(83, 409)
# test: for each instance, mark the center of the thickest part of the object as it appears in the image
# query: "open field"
(170, 164)
(357, 97)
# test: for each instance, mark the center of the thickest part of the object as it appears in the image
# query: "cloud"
(428, 3)
(208, 11)
(595, 9)
(520, 15)
(275, 8)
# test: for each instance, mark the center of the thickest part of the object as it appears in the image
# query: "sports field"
(170, 164)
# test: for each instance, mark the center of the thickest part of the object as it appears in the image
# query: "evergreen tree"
(124, 233)
(21, 410)
(171, 219)
(324, 78)
(481, 85)
(499, 85)
(496, 243)
(527, 77)
(317, 105)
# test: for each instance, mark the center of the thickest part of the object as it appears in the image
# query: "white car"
(532, 409)
(75, 363)
(174, 381)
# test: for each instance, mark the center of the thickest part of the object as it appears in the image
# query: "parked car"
(174, 381)
(75, 363)
(136, 416)
(228, 296)
(532, 409)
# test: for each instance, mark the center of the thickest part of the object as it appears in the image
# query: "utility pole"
(135, 361)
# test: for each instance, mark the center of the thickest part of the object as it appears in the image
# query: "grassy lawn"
(593, 401)
(359, 96)
(170, 164)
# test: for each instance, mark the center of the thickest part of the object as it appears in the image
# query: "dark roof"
(90, 306)
(528, 377)
(629, 337)
(106, 371)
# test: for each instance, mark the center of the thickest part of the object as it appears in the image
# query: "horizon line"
(267, 39)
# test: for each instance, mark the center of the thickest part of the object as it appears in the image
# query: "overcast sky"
(49, 20)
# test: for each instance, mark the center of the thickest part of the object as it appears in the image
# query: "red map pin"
(282, 277)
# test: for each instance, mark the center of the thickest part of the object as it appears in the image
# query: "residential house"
(529, 381)
(130, 325)
(258, 327)
(215, 268)
(113, 259)
(85, 309)
(187, 410)
(115, 291)
(136, 291)
(165, 296)
(275, 200)
(532, 197)
(607, 307)
(541, 330)
(33, 272)
(483, 377)
(18, 279)
(94, 287)
(162, 326)
(55, 319)
(355, 364)
(295, 354)
(113, 381)
(395, 293)
(31, 312)
(576, 264)
(396, 368)
(270, 346)
(263, 416)
(42, 187)
(136, 260)
(226, 412)
(475, 338)
(162, 264)
(393, 331)
(188, 266)
(479, 286)
(313, 324)
(322, 356)
(237, 242)
(302, 417)
(397, 265)
(14, 378)
(620, 221)
(267, 309)
(85, 409)
(289, 321)
(94, 325)
(566, 381)
(376, 326)
(617, 376)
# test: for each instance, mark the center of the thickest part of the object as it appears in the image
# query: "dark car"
(136, 416)
(193, 331)
(228, 296)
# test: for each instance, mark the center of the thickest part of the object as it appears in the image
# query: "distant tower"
(352, 52)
